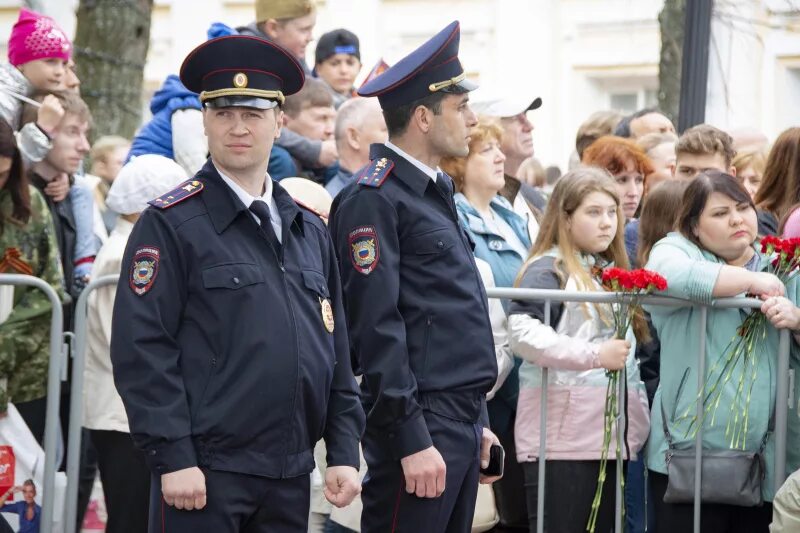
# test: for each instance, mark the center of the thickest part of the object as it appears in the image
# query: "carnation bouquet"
(742, 352)
(630, 285)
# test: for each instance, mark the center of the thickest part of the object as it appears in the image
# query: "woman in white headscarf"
(125, 476)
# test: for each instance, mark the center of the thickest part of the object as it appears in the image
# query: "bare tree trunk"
(671, 21)
(111, 43)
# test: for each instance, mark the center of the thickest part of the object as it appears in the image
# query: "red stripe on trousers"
(397, 504)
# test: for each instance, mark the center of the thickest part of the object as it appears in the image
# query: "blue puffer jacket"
(155, 137)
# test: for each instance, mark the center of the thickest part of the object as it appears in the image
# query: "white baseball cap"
(504, 107)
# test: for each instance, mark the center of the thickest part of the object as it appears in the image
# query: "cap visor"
(536, 104)
(241, 101)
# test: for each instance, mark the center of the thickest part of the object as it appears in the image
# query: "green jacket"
(25, 335)
(691, 274)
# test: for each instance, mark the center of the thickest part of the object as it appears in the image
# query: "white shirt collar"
(247, 199)
(428, 171)
(245, 196)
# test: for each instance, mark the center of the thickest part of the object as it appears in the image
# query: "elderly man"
(359, 124)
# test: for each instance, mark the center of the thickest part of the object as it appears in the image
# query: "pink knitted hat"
(36, 36)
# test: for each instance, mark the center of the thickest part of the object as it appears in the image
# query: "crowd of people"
(691, 206)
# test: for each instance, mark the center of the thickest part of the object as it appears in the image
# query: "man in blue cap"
(416, 308)
(228, 342)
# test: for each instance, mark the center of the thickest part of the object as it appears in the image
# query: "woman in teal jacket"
(712, 256)
(501, 239)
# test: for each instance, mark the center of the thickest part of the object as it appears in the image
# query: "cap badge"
(240, 80)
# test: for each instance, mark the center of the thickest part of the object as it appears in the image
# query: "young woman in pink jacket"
(580, 234)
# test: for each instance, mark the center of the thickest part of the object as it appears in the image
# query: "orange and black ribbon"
(12, 261)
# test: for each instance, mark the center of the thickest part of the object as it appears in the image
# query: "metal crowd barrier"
(548, 296)
(58, 361)
(76, 401)
(782, 402)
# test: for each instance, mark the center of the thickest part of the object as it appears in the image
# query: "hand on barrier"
(614, 354)
(184, 489)
(764, 284)
(425, 473)
(50, 114)
(781, 312)
(341, 485)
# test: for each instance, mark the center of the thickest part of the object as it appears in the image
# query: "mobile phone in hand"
(497, 457)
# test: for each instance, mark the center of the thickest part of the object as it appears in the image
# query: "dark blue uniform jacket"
(416, 307)
(225, 360)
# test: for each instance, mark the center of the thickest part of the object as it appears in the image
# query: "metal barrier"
(782, 402)
(57, 362)
(76, 401)
(548, 296)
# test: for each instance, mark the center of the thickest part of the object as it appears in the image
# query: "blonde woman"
(581, 231)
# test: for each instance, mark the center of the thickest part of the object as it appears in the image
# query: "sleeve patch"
(144, 269)
(364, 249)
(376, 172)
(185, 190)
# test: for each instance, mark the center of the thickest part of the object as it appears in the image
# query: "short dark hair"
(705, 139)
(398, 118)
(696, 196)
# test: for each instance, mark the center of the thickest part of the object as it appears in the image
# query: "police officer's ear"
(205, 117)
(422, 117)
(279, 120)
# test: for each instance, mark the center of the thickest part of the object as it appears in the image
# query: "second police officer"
(229, 344)
(416, 307)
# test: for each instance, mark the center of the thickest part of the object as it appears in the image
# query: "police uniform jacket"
(221, 353)
(416, 307)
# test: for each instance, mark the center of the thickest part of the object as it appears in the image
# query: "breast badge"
(144, 269)
(327, 314)
(364, 250)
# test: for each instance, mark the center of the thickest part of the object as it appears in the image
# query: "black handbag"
(729, 477)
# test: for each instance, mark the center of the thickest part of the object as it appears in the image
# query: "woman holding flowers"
(581, 233)
(712, 256)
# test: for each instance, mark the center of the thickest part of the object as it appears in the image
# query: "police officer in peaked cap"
(228, 341)
(416, 307)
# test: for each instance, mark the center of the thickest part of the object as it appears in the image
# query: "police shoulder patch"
(144, 269)
(185, 190)
(376, 172)
(364, 249)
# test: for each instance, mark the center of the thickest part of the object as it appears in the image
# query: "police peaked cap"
(431, 68)
(244, 71)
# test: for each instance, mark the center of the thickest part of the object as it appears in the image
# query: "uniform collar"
(224, 205)
(247, 198)
(404, 169)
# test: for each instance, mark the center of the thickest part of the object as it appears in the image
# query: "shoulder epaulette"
(376, 172)
(317, 212)
(185, 190)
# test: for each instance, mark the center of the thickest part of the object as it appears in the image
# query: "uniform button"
(152, 452)
(236, 281)
(440, 244)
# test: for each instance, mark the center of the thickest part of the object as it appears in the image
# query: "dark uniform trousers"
(237, 360)
(419, 329)
(387, 505)
(236, 503)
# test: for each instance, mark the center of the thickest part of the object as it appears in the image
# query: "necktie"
(261, 210)
(443, 183)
